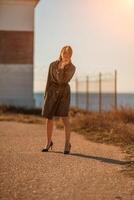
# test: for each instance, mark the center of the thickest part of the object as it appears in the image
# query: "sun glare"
(129, 3)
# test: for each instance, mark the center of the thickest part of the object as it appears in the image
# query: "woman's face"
(65, 56)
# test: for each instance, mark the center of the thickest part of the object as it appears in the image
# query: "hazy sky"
(101, 33)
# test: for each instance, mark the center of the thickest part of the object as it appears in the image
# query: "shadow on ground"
(102, 159)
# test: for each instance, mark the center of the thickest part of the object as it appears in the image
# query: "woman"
(57, 95)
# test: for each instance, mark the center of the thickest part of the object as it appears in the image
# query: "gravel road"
(92, 171)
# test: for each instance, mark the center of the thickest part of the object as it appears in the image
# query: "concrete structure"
(16, 52)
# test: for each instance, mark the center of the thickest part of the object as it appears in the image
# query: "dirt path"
(91, 172)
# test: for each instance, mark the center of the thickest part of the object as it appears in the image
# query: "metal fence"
(95, 92)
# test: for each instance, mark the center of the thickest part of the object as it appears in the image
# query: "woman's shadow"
(102, 159)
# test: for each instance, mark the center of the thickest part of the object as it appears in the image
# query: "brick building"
(17, 52)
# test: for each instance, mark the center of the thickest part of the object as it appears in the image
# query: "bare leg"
(67, 129)
(49, 127)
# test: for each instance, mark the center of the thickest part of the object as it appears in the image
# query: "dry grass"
(115, 126)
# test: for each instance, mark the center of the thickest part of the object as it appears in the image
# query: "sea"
(93, 101)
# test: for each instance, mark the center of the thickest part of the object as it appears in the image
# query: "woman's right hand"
(64, 63)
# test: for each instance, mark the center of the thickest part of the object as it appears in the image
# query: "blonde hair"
(66, 48)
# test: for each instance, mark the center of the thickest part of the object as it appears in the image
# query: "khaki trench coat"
(57, 92)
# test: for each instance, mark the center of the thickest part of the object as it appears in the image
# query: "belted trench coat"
(57, 95)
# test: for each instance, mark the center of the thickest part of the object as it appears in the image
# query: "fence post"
(87, 93)
(76, 87)
(100, 93)
(115, 89)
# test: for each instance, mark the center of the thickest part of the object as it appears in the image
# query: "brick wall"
(16, 47)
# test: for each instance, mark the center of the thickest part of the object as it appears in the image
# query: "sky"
(100, 32)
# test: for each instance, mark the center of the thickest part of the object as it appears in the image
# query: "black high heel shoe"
(46, 149)
(67, 151)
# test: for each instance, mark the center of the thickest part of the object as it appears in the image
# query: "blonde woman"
(57, 96)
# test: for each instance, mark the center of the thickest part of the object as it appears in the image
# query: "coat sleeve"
(47, 82)
(46, 89)
(66, 76)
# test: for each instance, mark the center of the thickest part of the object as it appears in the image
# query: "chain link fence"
(95, 92)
